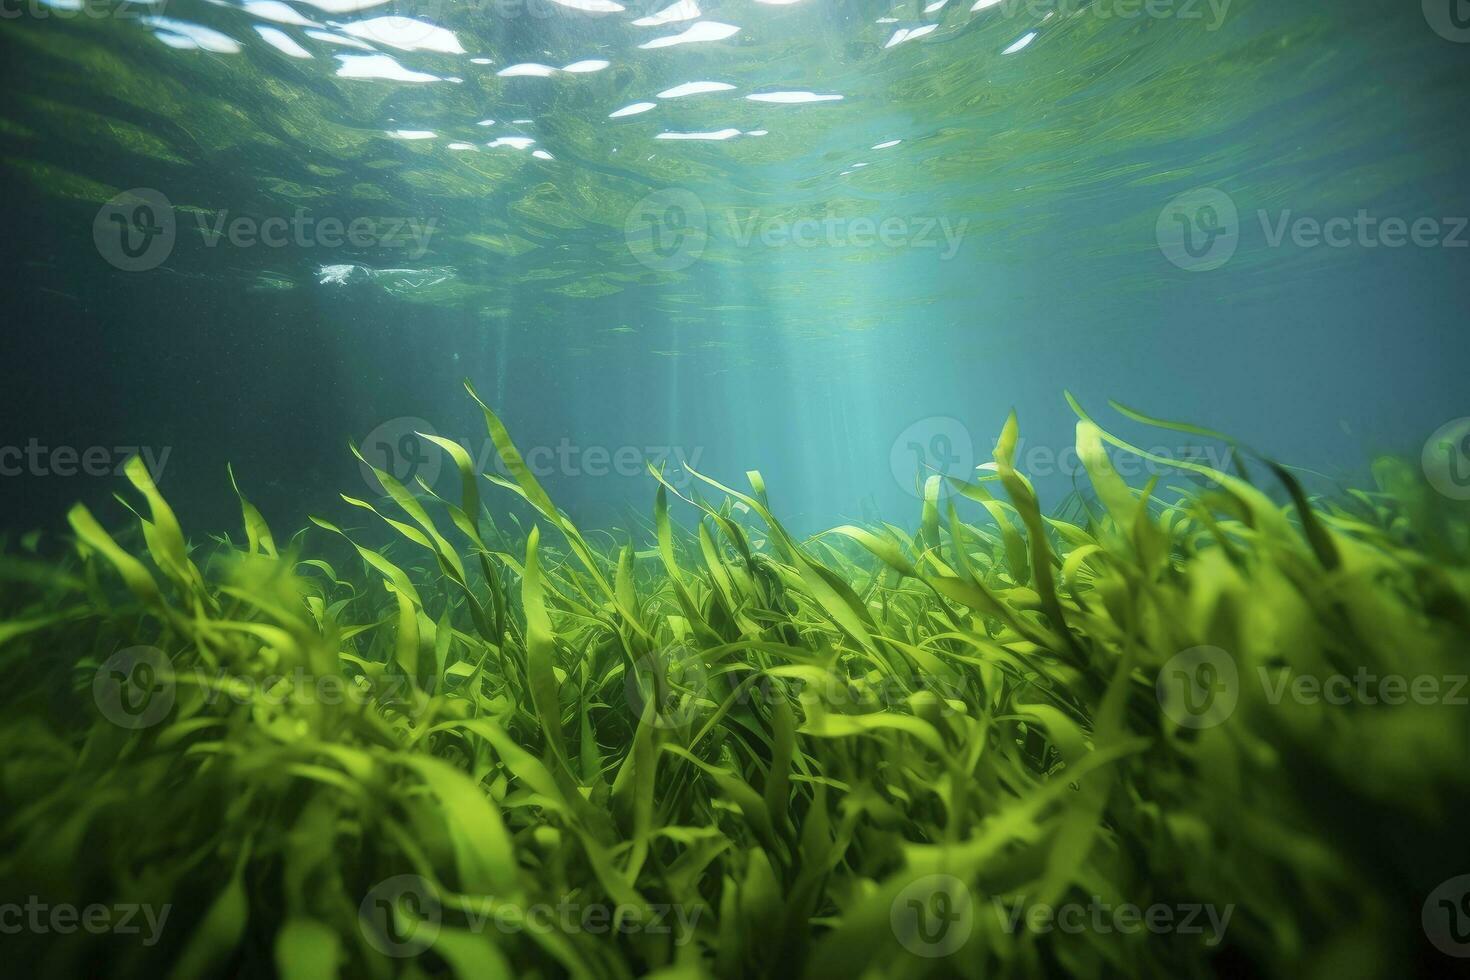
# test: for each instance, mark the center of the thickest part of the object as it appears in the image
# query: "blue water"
(1038, 168)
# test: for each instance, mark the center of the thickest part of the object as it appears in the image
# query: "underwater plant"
(1140, 742)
